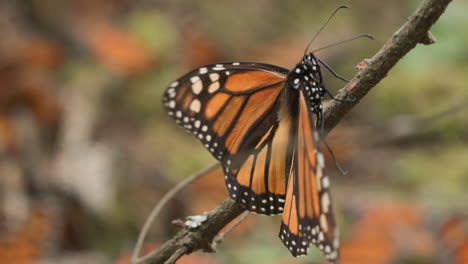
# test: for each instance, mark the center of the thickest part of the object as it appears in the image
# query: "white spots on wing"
(235, 63)
(336, 241)
(204, 128)
(326, 202)
(323, 222)
(197, 87)
(320, 160)
(171, 104)
(171, 92)
(194, 79)
(174, 84)
(203, 70)
(314, 68)
(218, 67)
(179, 114)
(313, 231)
(208, 138)
(321, 237)
(298, 70)
(213, 87)
(228, 73)
(214, 77)
(195, 105)
(197, 123)
(325, 182)
(316, 136)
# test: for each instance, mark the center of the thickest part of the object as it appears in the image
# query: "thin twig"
(179, 253)
(221, 236)
(157, 209)
(414, 31)
(197, 239)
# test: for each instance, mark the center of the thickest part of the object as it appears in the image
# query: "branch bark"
(414, 31)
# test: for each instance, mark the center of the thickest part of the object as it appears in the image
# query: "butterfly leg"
(339, 77)
(332, 71)
(321, 124)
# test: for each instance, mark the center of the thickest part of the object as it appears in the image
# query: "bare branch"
(414, 31)
(197, 239)
(157, 209)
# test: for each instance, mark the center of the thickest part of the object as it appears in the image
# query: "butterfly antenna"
(344, 41)
(323, 26)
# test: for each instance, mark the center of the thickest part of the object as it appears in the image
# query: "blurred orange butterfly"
(257, 120)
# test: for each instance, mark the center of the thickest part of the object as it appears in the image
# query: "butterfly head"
(307, 76)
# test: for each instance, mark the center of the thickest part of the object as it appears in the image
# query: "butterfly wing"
(217, 103)
(308, 216)
(233, 110)
(259, 182)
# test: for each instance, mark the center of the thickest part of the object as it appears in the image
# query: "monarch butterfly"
(257, 120)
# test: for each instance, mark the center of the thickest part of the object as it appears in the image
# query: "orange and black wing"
(233, 109)
(308, 215)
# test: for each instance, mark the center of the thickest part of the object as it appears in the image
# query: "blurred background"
(86, 149)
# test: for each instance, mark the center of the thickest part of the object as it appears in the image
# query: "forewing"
(221, 103)
(308, 215)
(233, 109)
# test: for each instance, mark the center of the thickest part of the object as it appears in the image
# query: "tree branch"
(414, 31)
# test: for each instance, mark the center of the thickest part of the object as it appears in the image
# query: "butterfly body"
(258, 121)
(307, 76)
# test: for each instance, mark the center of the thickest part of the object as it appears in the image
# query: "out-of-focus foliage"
(86, 149)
